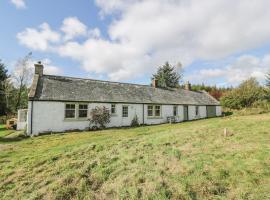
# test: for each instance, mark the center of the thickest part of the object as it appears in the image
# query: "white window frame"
(113, 105)
(124, 114)
(154, 111)
(84, 109)
(65, 114)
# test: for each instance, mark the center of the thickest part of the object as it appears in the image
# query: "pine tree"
(167, 76)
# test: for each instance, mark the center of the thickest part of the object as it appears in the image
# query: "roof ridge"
(136, 84)
(90, 79)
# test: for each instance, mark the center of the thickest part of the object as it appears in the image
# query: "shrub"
(135, 122)
(100, 116)
(245, 95)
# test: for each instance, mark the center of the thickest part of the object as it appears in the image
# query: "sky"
(217, 42)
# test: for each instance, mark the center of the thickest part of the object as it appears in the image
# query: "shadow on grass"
(228, 113)
(13, 139)
(3, 129)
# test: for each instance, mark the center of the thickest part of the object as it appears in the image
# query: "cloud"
(143, 34)
(49, 68)
(240, 69)
(39, 39)
(72, 28)
(20, 4)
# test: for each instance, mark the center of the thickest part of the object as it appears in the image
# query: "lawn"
(191, 160)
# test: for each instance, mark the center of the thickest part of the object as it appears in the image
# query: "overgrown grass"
(191, 160)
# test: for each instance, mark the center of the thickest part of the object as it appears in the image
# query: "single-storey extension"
(58, 103)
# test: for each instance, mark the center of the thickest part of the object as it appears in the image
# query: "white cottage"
(58, 103)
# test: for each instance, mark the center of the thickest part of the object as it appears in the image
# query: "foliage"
(3, 78)
(14, 88)
(214, 91)
(267, 77)
(22, 75)
(180, 161)
(135, 122)
(167, 76)
(100, 116)
(245, 95)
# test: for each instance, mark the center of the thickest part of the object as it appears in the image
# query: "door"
(211, 111)
(185, 113)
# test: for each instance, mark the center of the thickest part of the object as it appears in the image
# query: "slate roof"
(60, 88)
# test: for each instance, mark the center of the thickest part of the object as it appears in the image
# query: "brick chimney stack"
(187, 86)
(39, 68)
(154, 82)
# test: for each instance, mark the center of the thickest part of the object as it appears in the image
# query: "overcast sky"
(218, 42)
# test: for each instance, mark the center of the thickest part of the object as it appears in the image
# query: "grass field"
(191, 160)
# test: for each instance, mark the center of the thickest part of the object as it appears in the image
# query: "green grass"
(191, 160)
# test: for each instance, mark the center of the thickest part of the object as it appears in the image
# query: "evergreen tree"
(3, 78)
(167, 76)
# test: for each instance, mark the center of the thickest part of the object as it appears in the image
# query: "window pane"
(150, 110)
(83, 106)
(157, 111)
(125, 111)
(113, 110)
(82, 113)
(70, 113)
(70, 106)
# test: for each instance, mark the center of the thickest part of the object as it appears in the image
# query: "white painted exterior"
(22, 119)
(49, 116)
(218, 110)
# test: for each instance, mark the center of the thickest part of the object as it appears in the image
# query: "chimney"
(187, 86)
(154, 82)
(39, 68)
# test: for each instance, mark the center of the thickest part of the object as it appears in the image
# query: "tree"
(100, 116)
(167, 76)
(267, 79)
(245, 95)
(3, 77)
(23, 74)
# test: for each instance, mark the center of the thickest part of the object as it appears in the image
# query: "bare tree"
(22, 75)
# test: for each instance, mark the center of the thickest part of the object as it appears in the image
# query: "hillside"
(191, 160)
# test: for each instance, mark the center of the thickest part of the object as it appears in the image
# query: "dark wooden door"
(185, 113)
(211, 111)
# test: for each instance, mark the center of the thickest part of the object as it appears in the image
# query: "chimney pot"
(188, 86)
(39, 68)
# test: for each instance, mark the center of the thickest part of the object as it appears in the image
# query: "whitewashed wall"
(49, 116)
(202, 112)
(218, 110)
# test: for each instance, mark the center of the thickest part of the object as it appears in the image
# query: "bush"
(135, 122)
(100, 116)
(245, 95)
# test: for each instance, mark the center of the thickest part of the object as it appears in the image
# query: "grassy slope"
(183, 161)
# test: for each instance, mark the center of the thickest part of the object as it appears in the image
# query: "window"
(70, 111)
(83, 109)
(113, 110)
(125, 111)
(157, 111)
(197, 111)
(174, 110)
(150, 111)
(153, 111)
